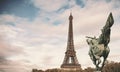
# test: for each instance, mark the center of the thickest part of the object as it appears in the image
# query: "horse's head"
(88, 41)
(91, 40)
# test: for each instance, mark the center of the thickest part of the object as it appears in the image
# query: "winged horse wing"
(104, 38)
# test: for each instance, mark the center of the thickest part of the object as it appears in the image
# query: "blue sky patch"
(10, 23)
(57, 22)
(21, 8)
(108, 1)
(80, 3)
(62, 9)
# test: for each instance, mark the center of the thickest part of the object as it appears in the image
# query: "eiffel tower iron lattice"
(70, 59)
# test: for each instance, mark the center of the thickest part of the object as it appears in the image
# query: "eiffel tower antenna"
(70, 5)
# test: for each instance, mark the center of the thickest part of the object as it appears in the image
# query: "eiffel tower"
(70, 59)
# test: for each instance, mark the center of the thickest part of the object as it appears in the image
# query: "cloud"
(14, 66)
(6, 51)
(48, 5)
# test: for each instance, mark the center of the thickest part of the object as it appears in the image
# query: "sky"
(33, 33)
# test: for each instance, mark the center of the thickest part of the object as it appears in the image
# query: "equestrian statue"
(99, 46)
